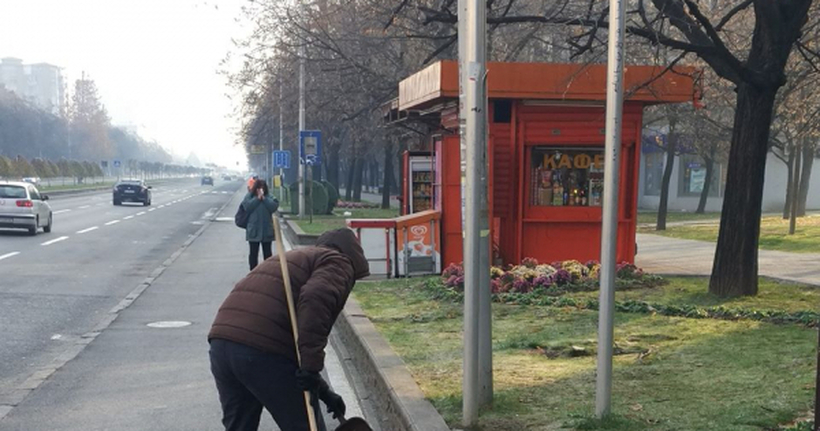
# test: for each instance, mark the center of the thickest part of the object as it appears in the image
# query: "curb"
(296, 235)
(34, 381)
(402, 405)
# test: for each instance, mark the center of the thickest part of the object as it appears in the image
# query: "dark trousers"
(253, 259)
(248, 380)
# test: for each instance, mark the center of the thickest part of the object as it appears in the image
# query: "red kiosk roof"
(549, 81)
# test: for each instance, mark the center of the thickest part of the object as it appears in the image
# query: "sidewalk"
(663, 255)
(136, 377)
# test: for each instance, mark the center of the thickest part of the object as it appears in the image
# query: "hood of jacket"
(344, 241)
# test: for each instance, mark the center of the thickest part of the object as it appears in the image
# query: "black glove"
(309, 381)
(335, 404)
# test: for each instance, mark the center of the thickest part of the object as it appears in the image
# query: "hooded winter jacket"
(255, 313)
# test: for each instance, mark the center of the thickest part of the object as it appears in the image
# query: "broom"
(352, 424)
(280, 249)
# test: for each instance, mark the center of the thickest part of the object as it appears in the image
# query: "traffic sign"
(117, 163)
(310, 147)
(258, 149)
(281, 159)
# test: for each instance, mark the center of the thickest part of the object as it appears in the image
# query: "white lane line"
(85, 206)
(128, 218)
(141, 213)
(60, 212)
(8, 255)
(88, 230)
(112, 222)
(56, 240)
(152, 210)
(161, 206)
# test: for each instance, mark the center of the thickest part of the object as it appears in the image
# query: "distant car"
(23, 207)
(132, 191)
(227, 178)
(207, 181)
(32, 180)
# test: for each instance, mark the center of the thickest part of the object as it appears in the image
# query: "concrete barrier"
(399, 401)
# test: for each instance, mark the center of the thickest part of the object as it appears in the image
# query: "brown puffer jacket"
(255, 313)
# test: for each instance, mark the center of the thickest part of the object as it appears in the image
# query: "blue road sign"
(310, 147)
(117, 163)
(281, 159)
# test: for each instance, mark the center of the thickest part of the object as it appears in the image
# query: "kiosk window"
(567, 176)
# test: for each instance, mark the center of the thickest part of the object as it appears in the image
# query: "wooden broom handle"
(283, 260)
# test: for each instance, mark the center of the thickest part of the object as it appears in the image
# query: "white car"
(23, 207)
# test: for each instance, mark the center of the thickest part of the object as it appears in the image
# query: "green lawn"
(325, 223)
(672, 373)
(676, 216)
(774, 234)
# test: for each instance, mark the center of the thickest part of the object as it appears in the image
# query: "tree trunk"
(735, 269)
(795, 187)
(787, 206)
(333, 165)
(704, 194)
(358, 173)
(350, 176)
(667, 176)
(805, 179)
(388, 174)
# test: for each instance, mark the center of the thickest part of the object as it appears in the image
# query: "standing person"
(253, 357)
(259, 206)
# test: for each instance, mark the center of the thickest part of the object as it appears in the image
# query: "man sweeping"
(253, 356)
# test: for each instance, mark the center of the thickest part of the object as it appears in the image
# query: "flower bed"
(356, 205)
(554, 279)
(532, 283)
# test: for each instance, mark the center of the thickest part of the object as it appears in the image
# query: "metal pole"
(609, 232)
(485, 322)
(281, 148)
(476, 231)
(817, 388)
(303, 183)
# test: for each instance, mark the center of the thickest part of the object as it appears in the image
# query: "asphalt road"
(55, 287)
(79, 347)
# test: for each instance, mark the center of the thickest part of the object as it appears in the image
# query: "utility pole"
(302, 170)
(609, 232)
(281, 147)
(817, 388)
(477, 384)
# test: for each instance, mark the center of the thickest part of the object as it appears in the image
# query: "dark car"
(132, 191)
(207, 181)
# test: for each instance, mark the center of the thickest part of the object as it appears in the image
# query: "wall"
(774, 190)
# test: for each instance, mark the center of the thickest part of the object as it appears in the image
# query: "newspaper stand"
(546, 142)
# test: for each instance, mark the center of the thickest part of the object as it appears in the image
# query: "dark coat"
(255, 313)
(260, 224)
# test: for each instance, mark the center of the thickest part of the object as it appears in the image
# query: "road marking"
(112, 222)
(56, 337)
(85, 206)
(152, 210)
(8, 255)
(141, 213)
(88, 230)
(56, 240)
(128, 218)
(61, 211)
(161, 206)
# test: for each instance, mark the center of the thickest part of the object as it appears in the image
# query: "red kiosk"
(546, 145)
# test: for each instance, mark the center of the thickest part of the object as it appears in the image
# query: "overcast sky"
(154, 62)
